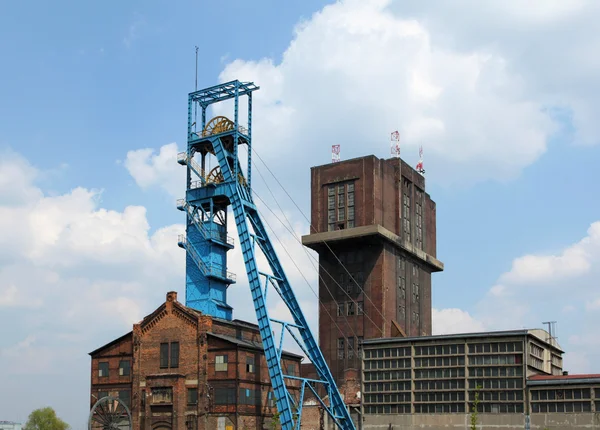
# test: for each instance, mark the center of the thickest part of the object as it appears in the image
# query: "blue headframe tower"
(210, 192)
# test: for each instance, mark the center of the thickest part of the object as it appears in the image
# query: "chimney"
(172, 296)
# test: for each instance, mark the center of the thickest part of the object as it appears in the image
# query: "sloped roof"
(111, 343)
(258, 346)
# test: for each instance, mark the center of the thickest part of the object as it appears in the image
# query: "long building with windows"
(445, 373)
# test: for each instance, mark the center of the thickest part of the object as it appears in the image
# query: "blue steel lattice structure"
(208, 196)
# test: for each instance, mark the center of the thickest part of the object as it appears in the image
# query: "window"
(174, 354)
(359, 308)
(350, 308)
(406, 191)
(162, 395)
(415, 284)
(360, 340)
(419, 219)
(271, 402)
(192, 396)
(124, 368)
(164, 355)
(248, 397)
(224, 396)
(291, 369)
(103, 369)
(250, 364)
(340, 309)
(125, 397)
(340, 206)
(341, 348)
(102, 394)
(221, 363)
(350, 348)
(165, 348)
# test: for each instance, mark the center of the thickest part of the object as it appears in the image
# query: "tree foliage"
(45, 419)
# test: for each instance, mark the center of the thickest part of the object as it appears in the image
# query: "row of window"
(484, 348)
(496, 384)
(457, 349)
(251, 397)
(451, 396)
(440, 361)
(350, 308)
(402, 363)
(387, 398)
(456, 372)
(452, 384)
(440, 350)
(387, 387)
(495, 359)
(124, 368)
(387, 352)
(394, 375)
(489, 396)
(494, 372)
(563, 407)
(568, 394)
(124, 396)
(354, 347)
(350, 284)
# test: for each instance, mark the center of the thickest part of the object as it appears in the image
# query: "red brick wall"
(377, 201)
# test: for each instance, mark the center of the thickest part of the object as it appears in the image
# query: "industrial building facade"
(442, 374)
(180, 369)
(374, 227)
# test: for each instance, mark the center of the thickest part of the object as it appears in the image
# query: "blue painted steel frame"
(244, 210)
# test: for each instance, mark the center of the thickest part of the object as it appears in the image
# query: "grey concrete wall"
(589, 421)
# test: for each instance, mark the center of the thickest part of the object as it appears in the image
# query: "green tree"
(475, 409)
(45, 419)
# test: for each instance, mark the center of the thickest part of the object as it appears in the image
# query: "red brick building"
(374, 227)
(180, 369)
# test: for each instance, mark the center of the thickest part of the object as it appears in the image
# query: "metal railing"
(206, 269)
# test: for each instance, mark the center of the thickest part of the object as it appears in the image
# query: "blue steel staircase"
(206, 203)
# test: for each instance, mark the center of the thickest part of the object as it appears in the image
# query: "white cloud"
(150, 169)
(356, 71)
(453, 320)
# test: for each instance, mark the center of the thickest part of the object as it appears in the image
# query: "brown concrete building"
(180, 369)
(374, 227)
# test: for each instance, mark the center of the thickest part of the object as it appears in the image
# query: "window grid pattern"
(445, 377)
(406, 200)
(340, 206)
(418, 218)
(568, 400)
(401, 282)
(416, 296)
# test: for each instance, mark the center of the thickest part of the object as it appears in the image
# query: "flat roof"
(587, 378)
(474, 335)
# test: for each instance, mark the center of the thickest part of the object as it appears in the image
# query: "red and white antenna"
(335, 153)
(395, 144)
(419, 167)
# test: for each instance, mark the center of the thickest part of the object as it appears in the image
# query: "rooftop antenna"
(395, 144)
(419, 167)
(335, 153)
(551, 331)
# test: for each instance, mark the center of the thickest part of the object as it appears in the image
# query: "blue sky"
(93, 99)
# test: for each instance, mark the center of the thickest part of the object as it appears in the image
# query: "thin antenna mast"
(551, 331)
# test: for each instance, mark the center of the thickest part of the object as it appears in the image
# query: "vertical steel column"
(249, 178)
